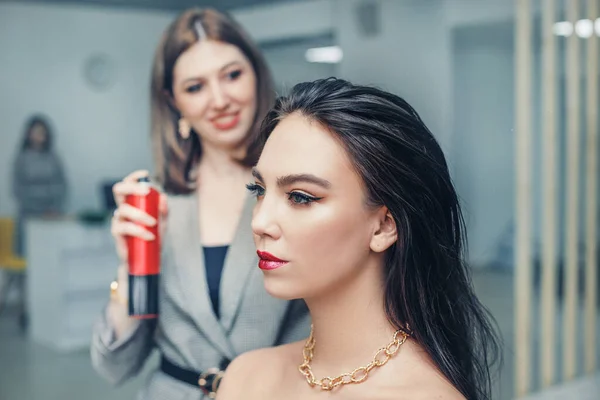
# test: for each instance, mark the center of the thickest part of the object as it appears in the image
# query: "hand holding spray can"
(144, 258)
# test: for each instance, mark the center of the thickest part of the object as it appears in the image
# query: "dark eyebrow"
(223, 68)
(295, 178)
(257, 174)
(309, 178)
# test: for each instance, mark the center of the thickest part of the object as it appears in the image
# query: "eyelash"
(232, 76)
(194, 88)
(255, 190)
(295, 198)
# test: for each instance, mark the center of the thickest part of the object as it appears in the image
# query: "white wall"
(410, 57)
(483, 144)
(287, 30)
(289, 66)
(98, 134)
(287, 20)
(474, 12)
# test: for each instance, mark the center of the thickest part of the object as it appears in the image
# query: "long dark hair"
(174, 157)
(31, 122)
(427, 283)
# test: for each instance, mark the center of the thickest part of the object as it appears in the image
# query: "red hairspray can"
(144, 258)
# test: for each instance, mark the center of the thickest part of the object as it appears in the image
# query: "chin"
(230, 139)
(281, 289)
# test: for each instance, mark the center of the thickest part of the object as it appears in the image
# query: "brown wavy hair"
(175, 158)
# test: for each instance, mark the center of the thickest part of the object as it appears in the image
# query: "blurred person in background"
(38, 179)
(211, 88)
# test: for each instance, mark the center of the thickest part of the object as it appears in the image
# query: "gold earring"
(184, 128)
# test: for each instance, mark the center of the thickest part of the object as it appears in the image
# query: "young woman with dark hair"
(357, 215)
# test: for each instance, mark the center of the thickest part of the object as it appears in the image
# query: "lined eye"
(194, 88)
(256, 190)
(301, 198)
(233, 75)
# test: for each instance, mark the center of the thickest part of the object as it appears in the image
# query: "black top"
(214, 258)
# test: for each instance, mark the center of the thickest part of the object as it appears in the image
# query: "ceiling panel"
(166, 5)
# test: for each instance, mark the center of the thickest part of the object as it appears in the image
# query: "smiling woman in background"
(210, 90)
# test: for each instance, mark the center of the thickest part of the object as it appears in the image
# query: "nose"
(264, 220)
(219, 97)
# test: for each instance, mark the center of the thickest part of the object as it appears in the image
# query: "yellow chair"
(12, 266)
(8, 260)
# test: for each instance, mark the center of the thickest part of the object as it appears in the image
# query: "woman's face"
(38, 136)
(214, 89)
(310, 213)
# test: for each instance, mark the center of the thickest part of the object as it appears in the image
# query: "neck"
(350, 323)
(221, 163)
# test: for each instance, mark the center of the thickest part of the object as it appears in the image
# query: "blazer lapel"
(187, 251)
(241, 260)
(242, 280)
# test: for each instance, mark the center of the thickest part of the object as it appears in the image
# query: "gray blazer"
(187, 332)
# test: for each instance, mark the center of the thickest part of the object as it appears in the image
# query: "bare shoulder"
(242, 372)
(436, 392)
(248, 375)
(266, 360)
(424, 380)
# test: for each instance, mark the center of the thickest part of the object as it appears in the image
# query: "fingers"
(122, 250)
(135, 175)
(134, 214)
(131, 221)
(126, 228)
(122, 274)
(130, 185)
(124, 188)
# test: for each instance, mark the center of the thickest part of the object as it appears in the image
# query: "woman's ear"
(170, 100)
(386, 233)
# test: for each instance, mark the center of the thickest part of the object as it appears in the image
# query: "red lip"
(268, 261)
(232, 121)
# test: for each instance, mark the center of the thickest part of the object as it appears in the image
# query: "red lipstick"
(268, 261)
(226, 122)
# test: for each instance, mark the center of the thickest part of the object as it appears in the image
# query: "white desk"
(69, 268)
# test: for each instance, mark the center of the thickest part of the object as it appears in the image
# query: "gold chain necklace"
(382, 356)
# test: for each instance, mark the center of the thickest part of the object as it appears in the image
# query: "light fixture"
(327, 55)
(584, 28)
(563, 28)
